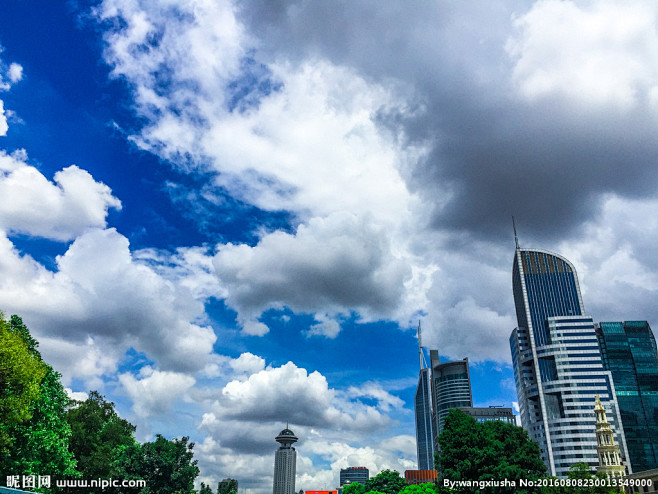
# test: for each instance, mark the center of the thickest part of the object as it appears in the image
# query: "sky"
(229, 216)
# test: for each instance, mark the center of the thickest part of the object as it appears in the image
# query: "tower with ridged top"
(285, 463)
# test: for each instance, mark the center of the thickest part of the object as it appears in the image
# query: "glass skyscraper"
(629, 353)
(451, 383)
(557, 363)
(424, 425)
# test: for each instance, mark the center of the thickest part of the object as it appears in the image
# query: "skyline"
(226, 216)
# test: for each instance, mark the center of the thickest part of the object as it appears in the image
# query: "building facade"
(557, 363)
(415, 477)
(425, 436)
(629, 353)
(285, 463)
(227, 486)
(482, 414)
(354, 474)
(451, 383)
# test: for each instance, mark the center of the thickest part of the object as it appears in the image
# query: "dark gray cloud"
(495, 150)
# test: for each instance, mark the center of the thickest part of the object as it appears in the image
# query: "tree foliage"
(387, 482)
(354, 488)
(491, 450)
(98, 433)
(166, 466)
(205, 489)
(427, 488)
(39, 445)
(21, 373)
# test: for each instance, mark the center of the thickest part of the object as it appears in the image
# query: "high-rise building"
(227, 486)
(557, 363)
(415, 477)
(451, 384)
(485, 414)
(354, 474)
(425, 436)
(285, 463)
(629, 353)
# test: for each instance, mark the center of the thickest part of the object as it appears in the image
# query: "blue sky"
(225, 216)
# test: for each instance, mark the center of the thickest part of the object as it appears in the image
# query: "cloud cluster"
(99, 295)
(9, 75)
(331, 266)
(63, 210)
(242, 422)
(134, 321)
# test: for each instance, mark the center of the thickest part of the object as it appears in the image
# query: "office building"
(285, 463)
(485, 414)
(629, 353)
(425, 437)
(451, 386)
(227, 486)
(415, 477)
(557, 363)
(354, 474)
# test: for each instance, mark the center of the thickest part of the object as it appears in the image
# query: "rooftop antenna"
(516, 238)
(421, 357)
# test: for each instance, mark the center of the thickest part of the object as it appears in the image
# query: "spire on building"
(516, 238)
(609, 453)
(421, 356)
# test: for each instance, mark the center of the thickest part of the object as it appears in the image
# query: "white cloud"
(15, 72)
(248, 363)
(290, 393)
(153, 392)
(88, 361)
(614, 258)
(304, 139)
(325, 327)
(99, 290)
(76, 395)
(598, 53)
(61, 211)
(242, 423)
(385, 400)
(330, 266)
(394, 453)
(3, 120)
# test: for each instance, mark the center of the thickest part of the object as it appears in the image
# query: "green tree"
(21, 373)
(354, 488)
(427, 488)
(205, 489)
(97, 434)
(487, 451)
(39, 445)
(387, 482)
(582, 471)
(166, 466)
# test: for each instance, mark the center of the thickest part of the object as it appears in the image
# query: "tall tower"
(285, 463)
(609, 454)
(423, 412)
(451, 382)
(557, 362)
(629, 353)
